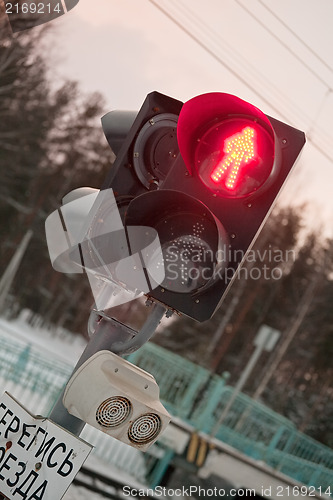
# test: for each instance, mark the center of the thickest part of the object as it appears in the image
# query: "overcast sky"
(275, 54)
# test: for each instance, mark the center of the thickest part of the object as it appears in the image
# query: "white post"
(12, 268)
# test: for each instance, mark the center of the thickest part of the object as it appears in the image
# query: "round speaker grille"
(144, 428)
(113, 411)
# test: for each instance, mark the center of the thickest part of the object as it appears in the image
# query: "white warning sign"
(38, 459)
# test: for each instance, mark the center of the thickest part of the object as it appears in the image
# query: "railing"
(182, 383)
(189, 392)
(29, 376)
(36, 381)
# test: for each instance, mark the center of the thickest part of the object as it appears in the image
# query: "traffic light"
(204, 175)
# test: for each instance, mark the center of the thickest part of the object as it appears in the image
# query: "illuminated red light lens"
(228, 143)
(239, 149)
(235, 157)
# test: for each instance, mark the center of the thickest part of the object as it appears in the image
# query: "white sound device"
(117, 398)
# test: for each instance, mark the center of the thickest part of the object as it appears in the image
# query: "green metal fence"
(36, 379)
(181, 382)
(30, 376)
(191, 393)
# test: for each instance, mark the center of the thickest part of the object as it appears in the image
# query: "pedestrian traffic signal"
(204, 175)
(233, 144)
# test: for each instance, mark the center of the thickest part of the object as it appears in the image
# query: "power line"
(329, 89)
(310, 49)
(243, 80)
(207, 31)
(218, 58)
(285, 45)
(320, 108)
(279, 97)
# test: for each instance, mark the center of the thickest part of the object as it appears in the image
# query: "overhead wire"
(264, 82)
(315, 74)
(229, 67)
(242, 62)
(320, 109)
(285, 45)
(285, 25)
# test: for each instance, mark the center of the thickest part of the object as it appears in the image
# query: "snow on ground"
(63, 346)
(59, 343)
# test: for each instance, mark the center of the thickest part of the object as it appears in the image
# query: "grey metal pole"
(110, 335)
(12, 268)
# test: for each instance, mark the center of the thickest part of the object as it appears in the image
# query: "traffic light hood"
(206, 110)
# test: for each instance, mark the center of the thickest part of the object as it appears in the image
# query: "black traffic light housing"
(142, 145)
(204, 175)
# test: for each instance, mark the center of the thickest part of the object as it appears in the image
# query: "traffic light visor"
(228, 143)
